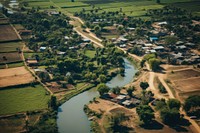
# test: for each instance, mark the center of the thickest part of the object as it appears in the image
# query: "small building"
(66, 37)
(25, 32)
(148, 44)
(122, 46)
(32, 62)
(162, 23)
(127, 103)
(42, 49)
(120, 98)
(153, 39)
(61, 53)
(86, 40)
(179, 43)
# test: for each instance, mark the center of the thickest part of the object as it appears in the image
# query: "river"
(71, 117)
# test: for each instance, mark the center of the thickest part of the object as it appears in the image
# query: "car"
(193, 117)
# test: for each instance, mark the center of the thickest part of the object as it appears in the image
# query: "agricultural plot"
(4, 21)
(14, 100)
(10, 57)
(10, 46)
(7, 33)
(15, 76)
(40, 4)
(188, 85)
(186, 80)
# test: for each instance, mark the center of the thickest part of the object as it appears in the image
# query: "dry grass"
(10, 57)
(15, 76)
(7, 33)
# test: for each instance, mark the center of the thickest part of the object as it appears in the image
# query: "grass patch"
(90, 53)
(28, 98)
(10, 46)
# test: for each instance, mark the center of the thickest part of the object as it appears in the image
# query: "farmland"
(7, 33)
(14, 100)
(130, 7)
(10, 46)
(10, 57)
(15, 76)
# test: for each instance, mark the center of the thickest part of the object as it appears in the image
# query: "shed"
(42, 49)
(152, 39)
(127, 102)
(86, 40)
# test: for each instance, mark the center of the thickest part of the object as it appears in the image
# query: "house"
(66, 37)
(127, 103)
(32, 62)
(122, 46)
(130, 29)
(179, 43)
(42, 49)
(61, 53)
(153, 39)
(120, 98)
(162, 23)
(148, 45)
(181, 47)
(86, 40)
(159, 48)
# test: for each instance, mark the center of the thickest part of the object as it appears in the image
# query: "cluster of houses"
(122, 99)
(179, 53)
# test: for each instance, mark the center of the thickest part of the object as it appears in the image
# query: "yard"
(90, 53)
(7, 33)
(15, 76)
(14, 100)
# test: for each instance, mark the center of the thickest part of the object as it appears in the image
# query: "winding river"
(71, 117)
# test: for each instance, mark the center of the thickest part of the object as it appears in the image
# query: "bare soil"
(7, 33)
(15, 76)
(55, 87)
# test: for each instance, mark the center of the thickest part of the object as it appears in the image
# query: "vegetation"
(144, 85)
(102, 89)
(145, 113)
(23, 99)
(192, 104)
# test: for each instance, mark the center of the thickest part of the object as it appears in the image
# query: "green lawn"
(10, 46)
(90, 53)
(23, 99)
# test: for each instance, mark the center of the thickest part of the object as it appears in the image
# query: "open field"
(185, 80)
(90, 53)
(187, 85)
(129, 7)
(18, 27)
(184, 74)
(10, 46)
(10, 57)
(15, 76)
(4, 21)
(14, 100)
(7, 33)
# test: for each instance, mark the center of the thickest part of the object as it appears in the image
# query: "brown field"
(185, 81)
(55, 87)
(4, 21)
(7, 33)
(10, 57)
(15, 76)
(12, 124)
(183, 74)
(188, 85)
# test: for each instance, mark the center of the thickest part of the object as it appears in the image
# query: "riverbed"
(72, 118)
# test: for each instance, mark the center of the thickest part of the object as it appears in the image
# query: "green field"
(10, 46)
(28, 98)
(90, 53)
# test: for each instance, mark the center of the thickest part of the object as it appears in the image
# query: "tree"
(170, 40)
(158, 1)
(145, 113)
(102, 78)
(102, 89)
(174, 103)
(154, 64)
(170, 116)
(130, 91)
(116, 90)
(144, 85)
(192, 104)
(53, 103)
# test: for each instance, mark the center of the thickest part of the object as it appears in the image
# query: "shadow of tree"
(153, 126)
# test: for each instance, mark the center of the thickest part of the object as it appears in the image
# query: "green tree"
(102, 78)
(130, 90)
(170, 116)
(192, 104)
(158, 1)
(144, 85)
(170, 40)
(154, 64)
(53, 103)
(145, 113)
(174, 103)
(116, 90)
(102, 89)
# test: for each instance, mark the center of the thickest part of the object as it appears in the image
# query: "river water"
(71, 117)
